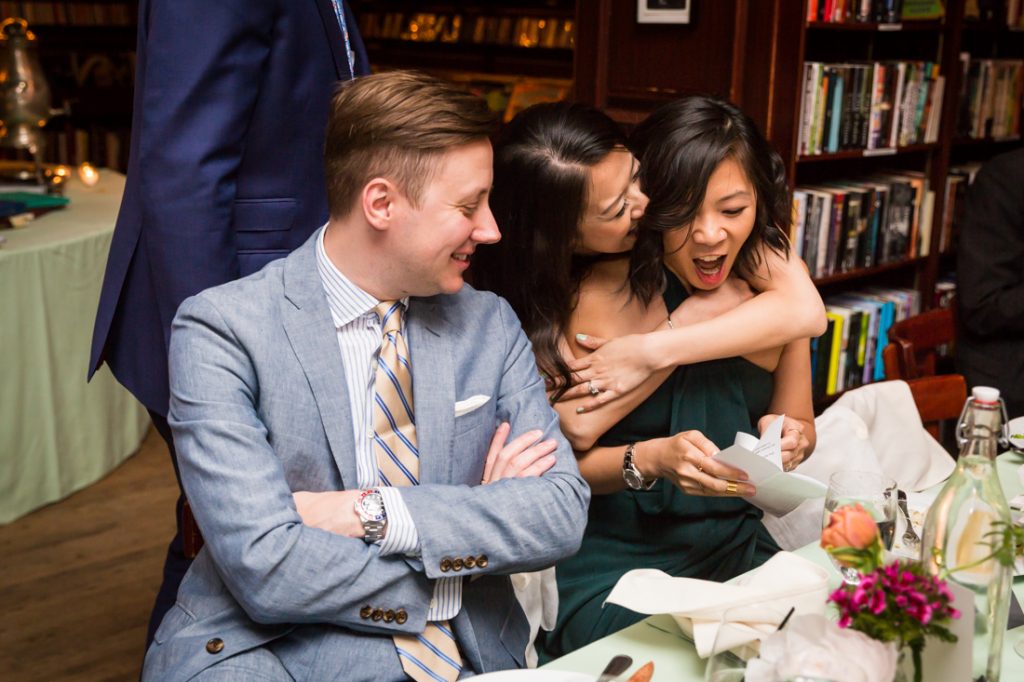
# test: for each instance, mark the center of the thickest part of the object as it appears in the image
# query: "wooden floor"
(78, 578)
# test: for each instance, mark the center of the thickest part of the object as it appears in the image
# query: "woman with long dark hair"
(567, 196)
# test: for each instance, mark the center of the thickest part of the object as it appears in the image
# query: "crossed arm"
(282, 570)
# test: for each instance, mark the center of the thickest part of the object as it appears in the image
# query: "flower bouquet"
(898, 602)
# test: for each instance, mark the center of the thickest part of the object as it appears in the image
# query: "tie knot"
(390, 315)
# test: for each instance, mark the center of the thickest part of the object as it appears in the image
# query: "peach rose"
(850, 526)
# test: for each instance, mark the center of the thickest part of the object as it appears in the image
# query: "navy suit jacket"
(226, 166)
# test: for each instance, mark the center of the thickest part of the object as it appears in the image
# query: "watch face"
(632, 480)
(372, 505)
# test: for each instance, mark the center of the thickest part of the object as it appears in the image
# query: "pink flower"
(850, 526)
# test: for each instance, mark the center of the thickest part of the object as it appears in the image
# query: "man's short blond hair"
(396, 125)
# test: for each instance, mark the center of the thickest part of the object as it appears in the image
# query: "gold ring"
(730, 488)
(700, 469)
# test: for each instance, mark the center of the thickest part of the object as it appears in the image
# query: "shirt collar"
(346, 301)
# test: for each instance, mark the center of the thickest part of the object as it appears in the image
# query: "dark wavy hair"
(679, 146)
(542, 161)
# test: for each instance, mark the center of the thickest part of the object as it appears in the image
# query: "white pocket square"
(469, 404)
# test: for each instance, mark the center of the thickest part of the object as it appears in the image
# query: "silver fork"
(910, 536)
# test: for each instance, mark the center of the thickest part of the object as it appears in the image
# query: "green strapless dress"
(713, 538)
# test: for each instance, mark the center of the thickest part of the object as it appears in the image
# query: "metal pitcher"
(24, 92)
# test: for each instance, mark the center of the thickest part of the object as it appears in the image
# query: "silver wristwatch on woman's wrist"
(631, 475)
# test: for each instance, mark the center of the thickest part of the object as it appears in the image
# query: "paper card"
(778, 492)
(946, 661)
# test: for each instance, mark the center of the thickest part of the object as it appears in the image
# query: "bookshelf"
(755, 54)
(514, 54)
(87, 51)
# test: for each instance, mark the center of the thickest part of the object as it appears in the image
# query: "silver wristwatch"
(370, 508)
(631, 475)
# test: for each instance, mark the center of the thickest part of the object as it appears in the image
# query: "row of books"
(957, 182)
(871, 105)
(510, 96)
(525, 31)
(849, 353)
(98, 145)
(1009, 13)
(990, 97)
(68, 13)
(841, 226)
(881, 11)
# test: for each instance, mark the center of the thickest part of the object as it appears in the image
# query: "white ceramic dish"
(534, 676)
(1015, 431)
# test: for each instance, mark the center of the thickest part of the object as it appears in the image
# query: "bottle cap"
(985, 394)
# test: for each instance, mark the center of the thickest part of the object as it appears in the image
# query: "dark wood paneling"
(630, 67)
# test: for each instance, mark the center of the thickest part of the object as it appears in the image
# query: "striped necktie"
(431, 656)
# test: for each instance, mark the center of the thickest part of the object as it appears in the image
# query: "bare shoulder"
(609, 313)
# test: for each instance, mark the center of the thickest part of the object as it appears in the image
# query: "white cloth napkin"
(812, 646)
(765, 594)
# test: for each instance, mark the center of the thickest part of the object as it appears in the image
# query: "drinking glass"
(752, 620)
(876, 493)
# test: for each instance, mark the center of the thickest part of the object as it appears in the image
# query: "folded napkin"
(813, 647)
(765, 594)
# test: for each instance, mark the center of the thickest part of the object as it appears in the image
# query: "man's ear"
(378, 202)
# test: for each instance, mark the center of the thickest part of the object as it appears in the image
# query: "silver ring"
(594, 390)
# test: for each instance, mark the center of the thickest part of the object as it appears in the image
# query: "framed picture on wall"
(663, 11)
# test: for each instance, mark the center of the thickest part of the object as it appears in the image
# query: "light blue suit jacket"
(259, 410)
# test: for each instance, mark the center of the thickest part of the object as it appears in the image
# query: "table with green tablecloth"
(659, 639)
(58, 433)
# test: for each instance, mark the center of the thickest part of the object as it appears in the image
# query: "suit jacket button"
(377, 614)
(389, 615)
(457, 564)
(401, 616)
(215, 645)
(470, 561)
(446, 564)
(365, 612)
(481, 561)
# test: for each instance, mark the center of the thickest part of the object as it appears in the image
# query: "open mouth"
(461, 258)
(709, 268)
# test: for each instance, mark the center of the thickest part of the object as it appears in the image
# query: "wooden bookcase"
(752, 52)
(511, 53)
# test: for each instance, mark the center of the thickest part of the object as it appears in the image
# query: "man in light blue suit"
(300, 395)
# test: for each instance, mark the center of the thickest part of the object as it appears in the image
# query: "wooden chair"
(938, 399)
(914, 342)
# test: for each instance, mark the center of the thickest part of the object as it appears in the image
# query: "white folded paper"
(765, 594)
(778, 492)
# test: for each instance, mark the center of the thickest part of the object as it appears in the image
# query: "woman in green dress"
(568, 199)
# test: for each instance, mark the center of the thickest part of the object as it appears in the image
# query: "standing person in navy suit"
(225, 174)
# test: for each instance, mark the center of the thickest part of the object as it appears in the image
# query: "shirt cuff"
(401, 536)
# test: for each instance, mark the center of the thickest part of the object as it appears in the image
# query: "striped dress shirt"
(359, 338)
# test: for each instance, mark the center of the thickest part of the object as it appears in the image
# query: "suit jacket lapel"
(433, 389)
(310, 329)
(335, 39)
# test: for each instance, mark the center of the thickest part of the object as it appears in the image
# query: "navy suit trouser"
(176, 563)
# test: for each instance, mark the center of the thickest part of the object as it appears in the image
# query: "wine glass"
(876, 493)
(750, 622)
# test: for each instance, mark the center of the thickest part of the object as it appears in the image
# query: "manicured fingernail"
(582, 337)
(580, 410)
